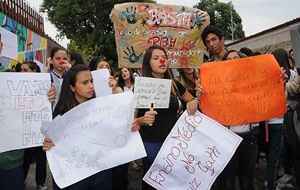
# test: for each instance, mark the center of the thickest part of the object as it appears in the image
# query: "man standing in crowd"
(242, 164)
(213, 39)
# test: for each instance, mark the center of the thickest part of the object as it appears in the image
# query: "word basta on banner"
(242, 91)
(176, 28)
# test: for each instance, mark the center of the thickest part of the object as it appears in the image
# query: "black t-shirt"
(164, 120)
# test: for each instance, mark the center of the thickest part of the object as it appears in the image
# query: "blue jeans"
(12, 179)
(101, 180)
(152, 149)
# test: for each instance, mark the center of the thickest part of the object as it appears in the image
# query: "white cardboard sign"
(193, 155)
(24, 105)
(94, 136)
(152, 90)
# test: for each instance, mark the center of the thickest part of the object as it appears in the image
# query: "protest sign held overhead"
(241, 91)
(175, 28)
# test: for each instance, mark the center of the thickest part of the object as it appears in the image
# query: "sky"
(257, 15)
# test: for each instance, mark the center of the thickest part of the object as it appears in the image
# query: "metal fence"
(21, 12)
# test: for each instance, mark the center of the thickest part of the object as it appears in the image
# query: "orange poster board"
(242, 91)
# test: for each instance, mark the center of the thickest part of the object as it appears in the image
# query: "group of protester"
(72, 84)
(278, 133)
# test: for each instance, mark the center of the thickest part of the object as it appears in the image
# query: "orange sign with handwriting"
(242, 91)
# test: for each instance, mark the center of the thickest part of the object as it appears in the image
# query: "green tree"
(86, 23)
(220, 16)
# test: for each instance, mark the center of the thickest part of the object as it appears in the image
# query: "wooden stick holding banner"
(151, 109)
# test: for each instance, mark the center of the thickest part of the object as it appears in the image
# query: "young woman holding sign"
(14, 164)
(155, 125)
(77, 88)
(102, 63)
(126, 79)
(119, 173)
(35, 154)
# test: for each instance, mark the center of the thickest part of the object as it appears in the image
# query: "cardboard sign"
(24, 105)
(193, 155)
(154, 91)
(95, 141)
(243, 91)
(101, 78)
(175, 28)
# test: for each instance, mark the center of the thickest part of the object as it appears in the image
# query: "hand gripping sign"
(193, 155)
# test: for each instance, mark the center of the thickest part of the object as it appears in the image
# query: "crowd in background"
(276, 140)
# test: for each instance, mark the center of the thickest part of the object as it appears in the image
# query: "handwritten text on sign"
(99, 139)
(175, 28)
(24, 105)
(151, 90)
(193, 155)
(242, 91)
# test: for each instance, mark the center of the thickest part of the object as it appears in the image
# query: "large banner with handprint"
(176, 28)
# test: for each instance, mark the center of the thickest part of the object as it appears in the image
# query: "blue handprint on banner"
(131, 55)
(129, 15)
(198, 19)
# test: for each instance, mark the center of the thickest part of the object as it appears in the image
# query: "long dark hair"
(56, 49)
(147, 70)
(76, 58)
(31, 64)
(121, 81)
(67, 98)
(186, 81)
(241, 55)
(96, 60)
(282, 58)
(146, 67)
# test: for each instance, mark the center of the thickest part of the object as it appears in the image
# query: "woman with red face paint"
(156, 125)
(59, 64)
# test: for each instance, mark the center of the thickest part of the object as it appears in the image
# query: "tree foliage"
(220, 16)
(86, 23)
